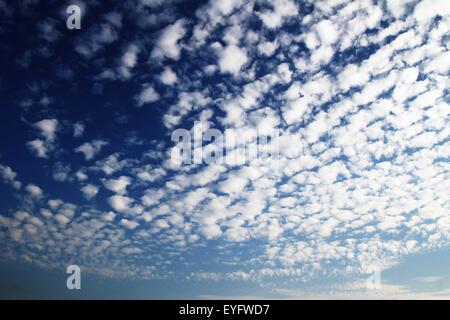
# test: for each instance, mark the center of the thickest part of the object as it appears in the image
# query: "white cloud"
(61, 172)
(9, 176)
(187, 101)
(274, 230)
(48, 128)
(34, 190)
(151, 175)
(225, 7)
(129, 224)
(118, 185)
(233, 184)
(327, 31)
(99, 35)
(62, 219)
(398, 7)
(267, 48)
(168, 77)
(38, 147)
(89, 191)
(81, 175)
(284, 72)
(167, 45)
(428, 9)
(232, 59)
(91, 149)
(281, 10)
(147, 95)
(108, 216)
(294, 111)
(237, 234)
(128, 61)
(211, 231)
(120, 203)
(78, 129)
(55, 203)
(16, 234)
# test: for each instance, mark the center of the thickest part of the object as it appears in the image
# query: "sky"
(346, 102)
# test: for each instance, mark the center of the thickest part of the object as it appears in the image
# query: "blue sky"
(356, 92)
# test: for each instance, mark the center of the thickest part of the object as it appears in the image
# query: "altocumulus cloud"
(358, 91)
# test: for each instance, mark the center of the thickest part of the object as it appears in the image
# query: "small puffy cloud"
(161, 224)
(128, 60)
(210, 69)
(211, 231)
(89, 191)
(78, 129)
(38, 147)
(99, 35)
(62, 219)
(108, 216)
(129, 224)
(284, 72)
(294, 111)
(233, 185)
(61, 172)
(327, 32)
(429, 9)
(55, 203)
(81, 175)
(118, 185)
(232, 59)
(274, 230)
(9, 176)
(16, 234)
(281, 9)
(225, 7)
(397, 7)
(91, 149)
(267, 48)
(48, 31)
(167, 45)
(168, 77)
(34, 191)
(316, 129)
(152, 175)
(48, 128)
(237, 234)
(147, 95)
(120, 203)
(21, 215)
(112, 164)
